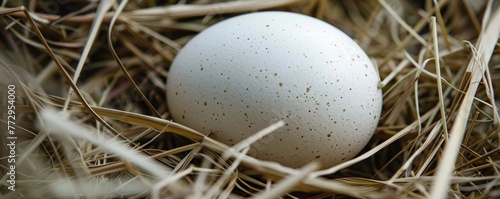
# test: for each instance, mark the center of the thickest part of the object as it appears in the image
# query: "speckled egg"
(250, 71)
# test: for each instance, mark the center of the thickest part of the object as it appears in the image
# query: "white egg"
(250, 71)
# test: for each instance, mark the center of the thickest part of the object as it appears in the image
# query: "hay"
(103, 66)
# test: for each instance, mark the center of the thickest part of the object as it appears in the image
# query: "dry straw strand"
(486, 44)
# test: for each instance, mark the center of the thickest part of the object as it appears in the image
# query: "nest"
(87, 80)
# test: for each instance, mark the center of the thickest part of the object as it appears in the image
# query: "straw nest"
(92, 122)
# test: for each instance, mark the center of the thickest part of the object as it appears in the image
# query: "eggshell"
(247, 72)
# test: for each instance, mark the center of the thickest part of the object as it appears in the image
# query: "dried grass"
(102, 65)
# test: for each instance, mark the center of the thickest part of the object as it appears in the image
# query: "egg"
(247, 72)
